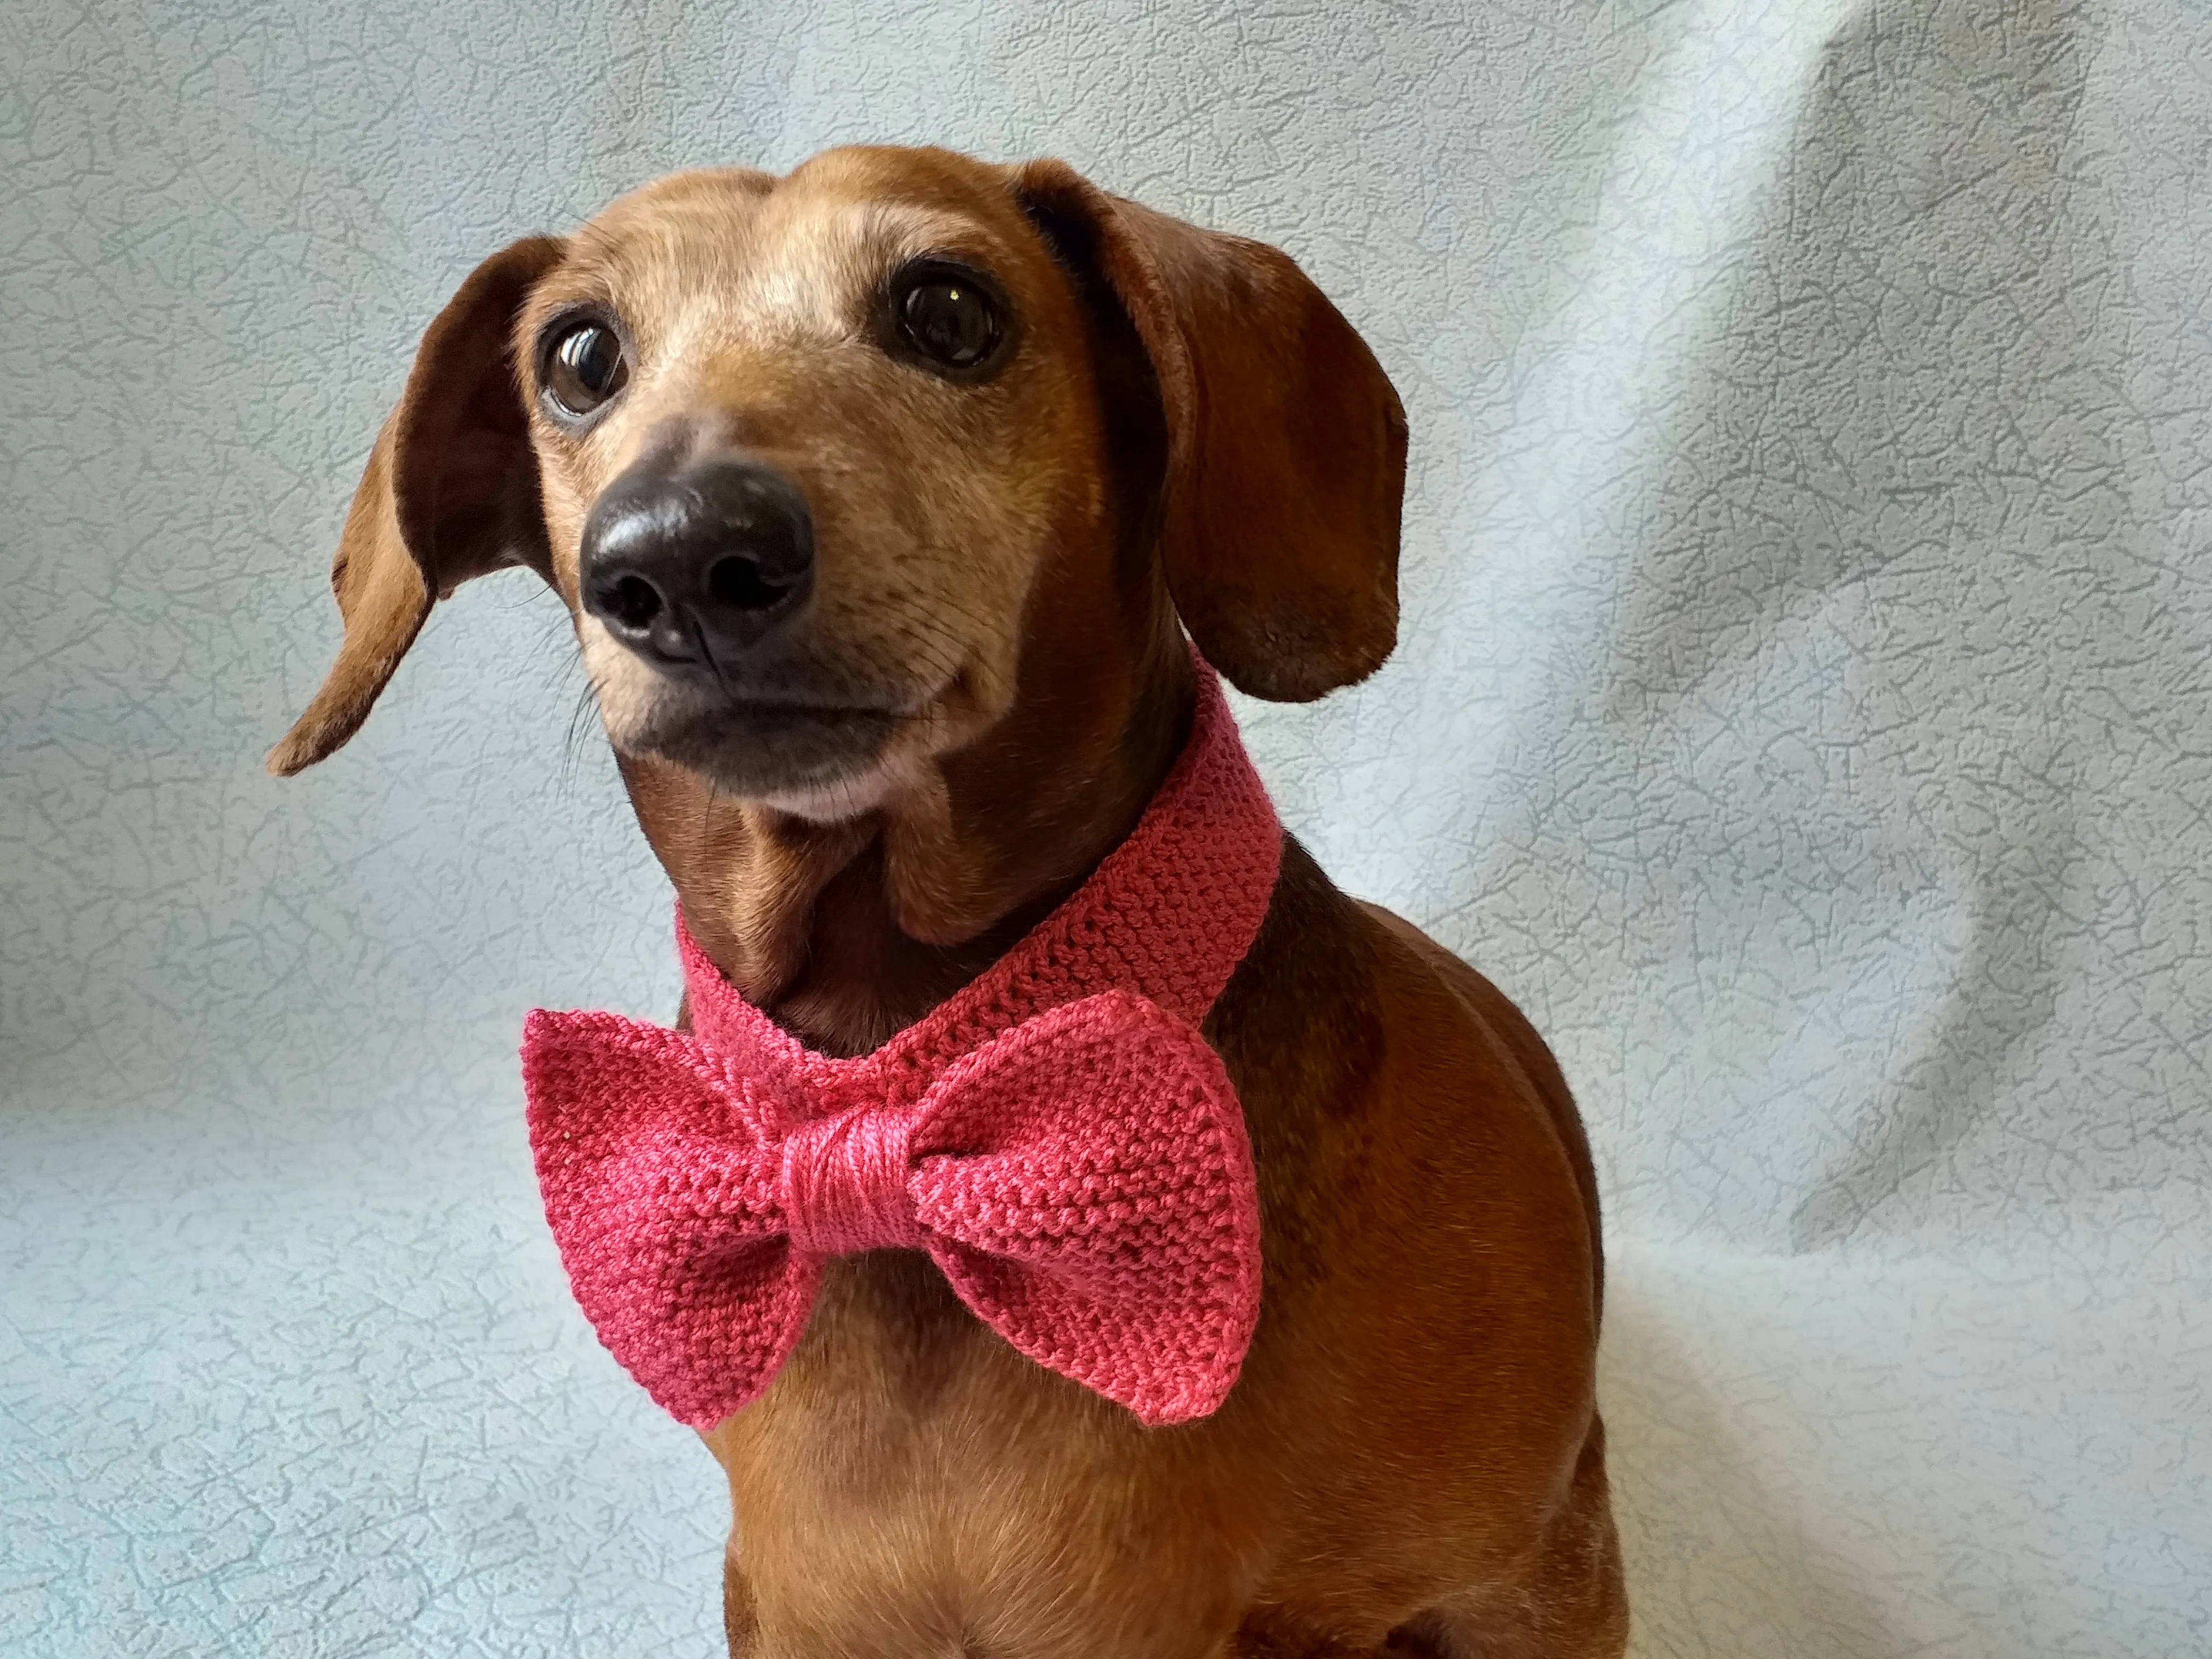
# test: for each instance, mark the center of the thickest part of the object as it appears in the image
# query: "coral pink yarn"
(1058, 1137)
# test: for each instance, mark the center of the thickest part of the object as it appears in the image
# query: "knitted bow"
(1083, 1178)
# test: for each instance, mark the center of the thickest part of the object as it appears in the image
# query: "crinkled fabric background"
(1803, 709)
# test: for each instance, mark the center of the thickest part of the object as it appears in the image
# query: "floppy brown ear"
(1287, 443)
(450, 492)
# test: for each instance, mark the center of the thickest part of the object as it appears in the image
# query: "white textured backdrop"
(1803, 710)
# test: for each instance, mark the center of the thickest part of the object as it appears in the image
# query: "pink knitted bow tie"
(1058, 1137)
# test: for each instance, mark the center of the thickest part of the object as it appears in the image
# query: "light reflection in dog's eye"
(950, 321)
(586, 368)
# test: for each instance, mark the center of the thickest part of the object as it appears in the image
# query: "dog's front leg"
(1276, 1633)
(740, 1616)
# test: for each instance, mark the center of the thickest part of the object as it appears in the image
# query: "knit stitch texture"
(1058, 1137)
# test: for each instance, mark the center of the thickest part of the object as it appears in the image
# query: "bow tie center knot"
(845, 1183)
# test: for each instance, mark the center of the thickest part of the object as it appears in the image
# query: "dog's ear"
(451, 492)
(1286, 443)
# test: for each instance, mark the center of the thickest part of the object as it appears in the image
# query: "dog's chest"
(910, 1471)
(894, 1380)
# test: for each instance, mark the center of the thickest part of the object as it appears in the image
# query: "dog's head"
(832, 469)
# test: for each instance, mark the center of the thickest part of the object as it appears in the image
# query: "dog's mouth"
(809, 742)
(790, 729)
(766, 748)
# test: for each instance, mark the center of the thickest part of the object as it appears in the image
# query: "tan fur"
(1183, 434)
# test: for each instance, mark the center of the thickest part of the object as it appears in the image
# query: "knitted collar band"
(1167, 915)
(1058, 1137)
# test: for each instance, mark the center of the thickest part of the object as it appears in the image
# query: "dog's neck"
(846, 932)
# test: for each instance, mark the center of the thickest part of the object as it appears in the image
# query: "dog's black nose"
(697, 566)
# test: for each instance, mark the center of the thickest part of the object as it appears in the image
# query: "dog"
(996, 448)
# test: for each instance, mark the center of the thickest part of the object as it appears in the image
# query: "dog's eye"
(947, 316)
(585, 367)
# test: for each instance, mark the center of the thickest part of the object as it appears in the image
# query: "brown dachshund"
(992, 440)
